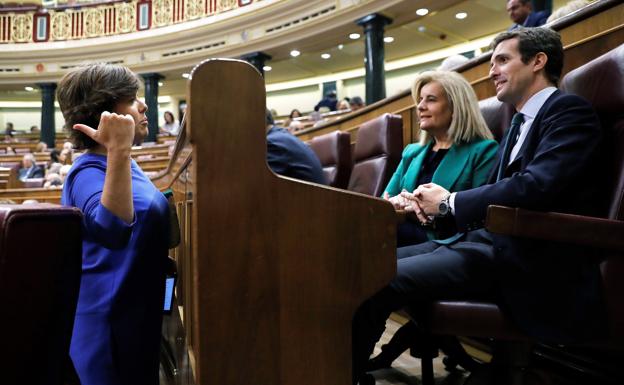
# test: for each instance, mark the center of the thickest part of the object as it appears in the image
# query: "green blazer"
(465, 166)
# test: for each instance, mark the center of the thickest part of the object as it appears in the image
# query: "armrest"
(576, 229)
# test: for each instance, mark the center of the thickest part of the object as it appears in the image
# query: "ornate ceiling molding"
(260, 26)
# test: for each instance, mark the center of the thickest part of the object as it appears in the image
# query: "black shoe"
(366, 379)
(409, 336)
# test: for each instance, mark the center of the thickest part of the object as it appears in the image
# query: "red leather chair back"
(497, 116)
(601, 81)
(334, 152)
(377, 154)
(40, 265)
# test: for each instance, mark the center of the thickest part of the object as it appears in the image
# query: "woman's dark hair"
(54, 156)
(293, 112)
(85, 92)
(170, 114)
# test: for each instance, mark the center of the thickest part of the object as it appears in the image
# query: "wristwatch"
(444, 208)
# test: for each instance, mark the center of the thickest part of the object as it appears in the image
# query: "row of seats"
(376, 154)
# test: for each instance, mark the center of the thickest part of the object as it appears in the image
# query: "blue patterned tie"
(512, 136)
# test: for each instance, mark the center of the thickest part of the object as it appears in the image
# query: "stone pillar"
(374, 56)
(48, 129)
(151, 99)
(257, 59)
(542, 5)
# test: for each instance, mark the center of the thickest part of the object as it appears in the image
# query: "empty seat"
(377, 154)
(497, 115)
(334, 152)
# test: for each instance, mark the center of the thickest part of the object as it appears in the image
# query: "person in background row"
(9, 130)
(451, 62)
(295, 113)
(568, 8)
(289, 156)
(116, 336)
(41, 147)
(328, 101)
(343, 105)
(171, 126)
(356, 103)
(521, 13)
(29, 168)
(34, 129)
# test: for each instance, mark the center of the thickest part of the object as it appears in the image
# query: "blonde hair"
(467, 123)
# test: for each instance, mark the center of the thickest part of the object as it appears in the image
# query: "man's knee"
(421, 248)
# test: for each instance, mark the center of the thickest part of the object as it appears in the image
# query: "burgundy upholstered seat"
(334, 152)
(40, 266)
(377, 154)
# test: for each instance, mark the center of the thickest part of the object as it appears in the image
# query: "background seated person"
(328, 101)
(343, 105)
(456, 150)
(29, 168)
(289, 156)
(295, 113)
(356, 103)
(171, 126)
(521, 13)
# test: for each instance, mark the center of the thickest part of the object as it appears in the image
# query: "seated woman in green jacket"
(456, 150)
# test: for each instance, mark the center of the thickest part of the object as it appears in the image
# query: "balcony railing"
(36, 25)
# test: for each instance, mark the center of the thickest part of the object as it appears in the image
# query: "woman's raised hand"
(115, 131)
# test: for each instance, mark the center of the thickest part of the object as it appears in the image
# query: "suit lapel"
(528, 144)
(452, 165)
(411, 176)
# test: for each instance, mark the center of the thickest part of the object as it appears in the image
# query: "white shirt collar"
(535, 103)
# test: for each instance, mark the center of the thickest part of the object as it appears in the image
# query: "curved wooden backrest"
(273, 267)
(587, 34)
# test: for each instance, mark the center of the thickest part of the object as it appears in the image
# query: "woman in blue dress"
(116, 332)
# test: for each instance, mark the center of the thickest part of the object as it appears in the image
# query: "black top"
(430, 165)
(443, 227)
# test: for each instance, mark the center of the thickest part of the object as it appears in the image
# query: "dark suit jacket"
(535, 19)
(32, 172)
(289, 156)
(550, 289)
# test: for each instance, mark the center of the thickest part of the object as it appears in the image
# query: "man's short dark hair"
(357, 100)
(87, 91)
(532, 41)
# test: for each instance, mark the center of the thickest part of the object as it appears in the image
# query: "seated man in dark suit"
(29, 168)
(289, 156)
(521, 13)
(550, 290)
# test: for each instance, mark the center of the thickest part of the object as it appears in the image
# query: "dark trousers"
(425, 273)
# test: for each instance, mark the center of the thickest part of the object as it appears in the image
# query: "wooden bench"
(270, 269)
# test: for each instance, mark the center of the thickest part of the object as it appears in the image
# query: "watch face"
(443, 208)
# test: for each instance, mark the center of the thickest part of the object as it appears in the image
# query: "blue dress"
(116, 332)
